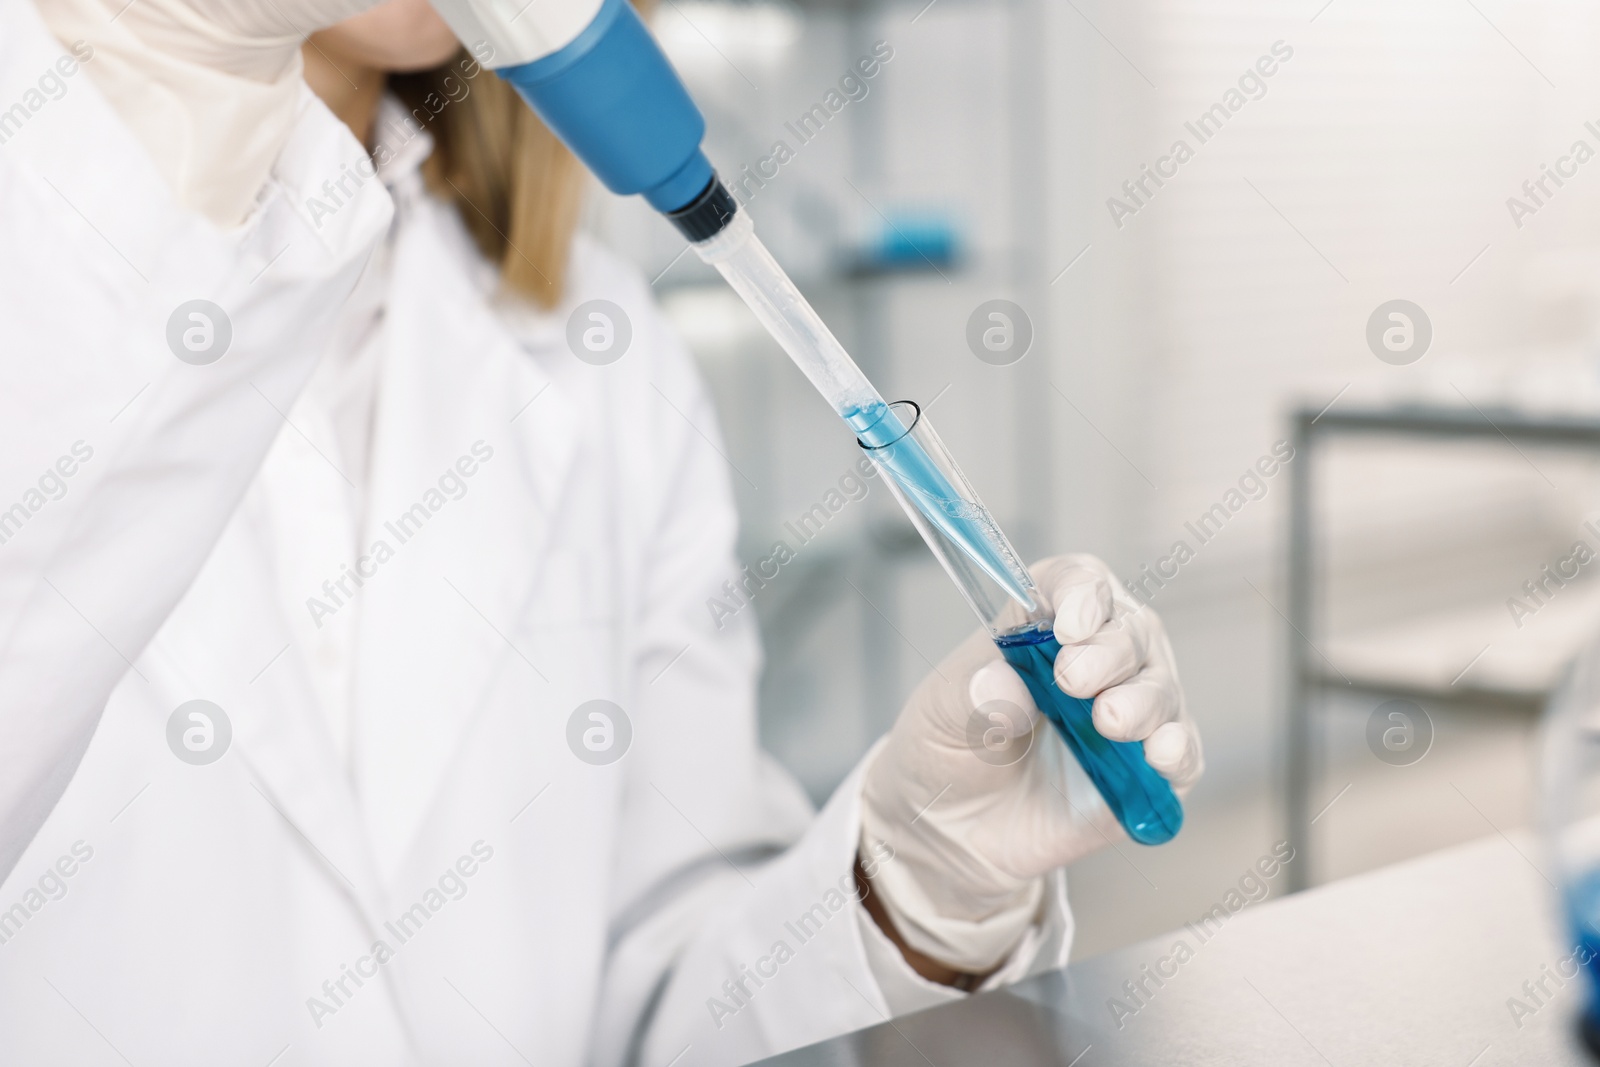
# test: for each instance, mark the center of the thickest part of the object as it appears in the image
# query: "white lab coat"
(498, 900)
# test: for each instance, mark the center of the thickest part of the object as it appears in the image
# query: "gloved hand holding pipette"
(979, 798)
(211, 88)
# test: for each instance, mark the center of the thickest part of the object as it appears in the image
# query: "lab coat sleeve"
(120, 462)
(790, 958)
(1045, 945)
(735, 929)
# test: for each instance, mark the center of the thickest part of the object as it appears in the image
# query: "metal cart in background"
(1310, 673)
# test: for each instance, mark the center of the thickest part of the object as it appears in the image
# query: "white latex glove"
(210, 87)
(975, 826)
(256, 39)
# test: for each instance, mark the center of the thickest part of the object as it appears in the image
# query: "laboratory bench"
(1412, 964)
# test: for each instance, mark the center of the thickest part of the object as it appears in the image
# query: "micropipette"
(593, 73)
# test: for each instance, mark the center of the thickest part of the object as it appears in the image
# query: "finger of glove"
(1173, 750)
(1110, 657)
(1079, 590)
(943, 701)
(269, 18)
(998, 691)
(1136, 710)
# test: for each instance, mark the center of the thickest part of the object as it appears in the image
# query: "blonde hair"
(517, 188)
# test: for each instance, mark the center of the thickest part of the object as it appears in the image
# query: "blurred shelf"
(1472, 654)
(868, 269)
(1422, 419)
(1544, 383)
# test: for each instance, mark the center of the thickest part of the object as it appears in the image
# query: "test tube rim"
(909, 426)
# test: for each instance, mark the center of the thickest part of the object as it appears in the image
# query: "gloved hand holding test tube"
(954, 523)
(594, 74)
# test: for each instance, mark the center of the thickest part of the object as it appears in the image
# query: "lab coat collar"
(399, 145)
(440, 616)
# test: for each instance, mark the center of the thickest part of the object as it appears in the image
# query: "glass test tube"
(1141, 799)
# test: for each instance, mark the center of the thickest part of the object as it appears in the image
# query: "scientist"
(358, 701)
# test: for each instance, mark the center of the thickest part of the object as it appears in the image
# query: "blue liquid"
(1141, 799)
(1583, 915)
(965, 524)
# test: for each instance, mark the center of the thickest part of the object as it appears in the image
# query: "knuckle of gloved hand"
(998, 694)
(1197, 756)
(1130, 712)
(1082, 607)
(1192, 762)
(944, 698)
(997, 681)
(1089, 667)
(1087, 597)
(1168, 750)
